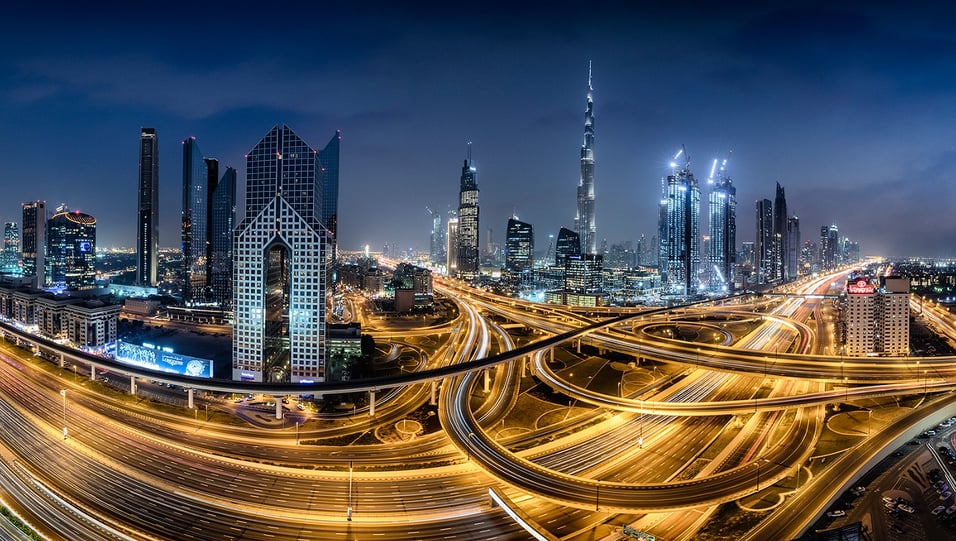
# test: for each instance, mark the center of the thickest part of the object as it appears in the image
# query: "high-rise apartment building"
(793, 248)
(222, 226)
(683, 234)
(876, 319)
(451, 250)
(567, 245)
(147, 220)
(11, 248)
(199, 178)
(468, 221)
(779, 263)
(329, 156)
(519, 246)
(280, 276)
(71, 251)
(436, 244)
(584, 220)
(33, 241)
(722, 207)
(763, 244)
(830, 252)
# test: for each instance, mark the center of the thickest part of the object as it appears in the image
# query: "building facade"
(722, 207)
(780, 248)
(567, 245)
(71, 251)
(33, 241)
(519, 246)
(280, 276)
(584, 220)
(876, 318)
(147, 219)
(199, 177)
(329, 157)
(222, 225)
(468, 257)
(10, 261)
(682, 231)
(763, 243)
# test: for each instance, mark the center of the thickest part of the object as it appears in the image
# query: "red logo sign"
(861, 287)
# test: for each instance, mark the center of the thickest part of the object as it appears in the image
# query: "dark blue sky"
(851, 110)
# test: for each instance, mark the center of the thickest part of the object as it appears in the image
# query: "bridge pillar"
(487, 379)
(433, 399)
(524, 367)
(132, 385)
(551, 353)
(62, 361)
(371, 403)
(579, 345)
(278, 406)
(189, 397)
(92, 372)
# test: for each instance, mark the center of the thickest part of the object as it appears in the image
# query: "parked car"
(906, 508)
(939, 509)
(836, 513)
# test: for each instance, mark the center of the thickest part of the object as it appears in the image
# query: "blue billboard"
(162, 360)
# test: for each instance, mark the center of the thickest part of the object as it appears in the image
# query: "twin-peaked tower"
(584, 220)
(280, 264)
(467, 233)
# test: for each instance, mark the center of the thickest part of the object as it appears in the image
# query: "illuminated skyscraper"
(779, 270)
(451, 252)
(763, 244)
(519, 245)
(147, 221)
(829, 247)
(723, 231)
(793, 247)
(11, 248)
(199, 178)
(222, 225)
(329, 156)
(567, 245)
(468, 221)
(584, 221)
(683, 230)
(280, 276)
(437, 247)
(33, 241)
(71, 251)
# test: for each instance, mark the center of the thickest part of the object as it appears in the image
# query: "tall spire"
(584, 220)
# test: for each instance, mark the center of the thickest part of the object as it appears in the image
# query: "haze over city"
(849, 110)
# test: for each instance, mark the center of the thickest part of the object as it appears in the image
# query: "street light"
(63, 394)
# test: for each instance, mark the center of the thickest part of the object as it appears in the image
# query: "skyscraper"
(519, 245)
(793, 247)
(584, 221)
(451, 252)
(723, 231)
(71, 251)
(280, 276)
(567, 245)
(147, 222)
(829, 247)
(763, 244)
(329, 156)
(436, 252)
(33, 241)
(683, 230)
(468, 221)
(199, 178)
(222, 225)
(11, 248)
(780, 247)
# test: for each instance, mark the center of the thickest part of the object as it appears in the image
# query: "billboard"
(162, 360)
(860, 287)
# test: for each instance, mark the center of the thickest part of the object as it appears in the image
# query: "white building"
(877, 317)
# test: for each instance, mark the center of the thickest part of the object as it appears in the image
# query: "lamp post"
(63, 394)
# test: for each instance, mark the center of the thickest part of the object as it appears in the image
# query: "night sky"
(851, 110)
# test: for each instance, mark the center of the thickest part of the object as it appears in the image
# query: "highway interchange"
(745, 411)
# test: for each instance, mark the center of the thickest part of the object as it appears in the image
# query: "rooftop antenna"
(469, 153)
(589, 75)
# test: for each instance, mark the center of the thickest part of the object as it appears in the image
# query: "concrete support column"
(371, 403)
(62, 361)
(433, 399)
(278, 406)
(524, 367)
(551, 353)
(189, 397)
(579, 345)
(132, 385)
(487, 378)
(92, 372)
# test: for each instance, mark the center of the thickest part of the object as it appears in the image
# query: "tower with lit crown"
(681, 243)
(584, 220)
(723, 229)
(468, 220)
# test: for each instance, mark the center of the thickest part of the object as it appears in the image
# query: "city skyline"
(841, 107)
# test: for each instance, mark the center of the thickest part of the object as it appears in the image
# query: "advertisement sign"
(162, 360)
(860, 287)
